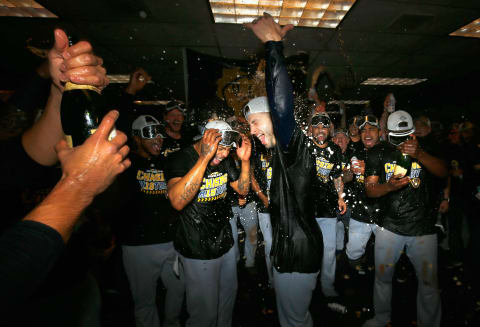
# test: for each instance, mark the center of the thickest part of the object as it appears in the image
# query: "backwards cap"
(256, 105)
(400, 123)
(218, 124)
(144, 121)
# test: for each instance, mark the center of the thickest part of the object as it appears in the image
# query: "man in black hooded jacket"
(297, 240)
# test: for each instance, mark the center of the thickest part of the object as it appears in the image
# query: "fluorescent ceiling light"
(349, 102)
(151, 102)
(24, 8)
(470, 30)
(392, 81)
(311, 13)
(121, 79)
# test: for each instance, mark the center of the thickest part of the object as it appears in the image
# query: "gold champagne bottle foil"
(72, 86)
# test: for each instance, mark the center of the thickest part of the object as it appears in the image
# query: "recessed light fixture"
(393, 81)
(470, 30)
(359, 102)
(151, 102)
(24, 8)
(310, 13)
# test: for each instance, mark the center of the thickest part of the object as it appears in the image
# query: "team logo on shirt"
(214, 187)
(152, 181)
(323, 169)
(415, 175)
(267, 169)
(415, 171)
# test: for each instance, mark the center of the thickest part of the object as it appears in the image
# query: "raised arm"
(279, 86)
(242, 184)
(434, 165)
(182, 190)
(77, 64)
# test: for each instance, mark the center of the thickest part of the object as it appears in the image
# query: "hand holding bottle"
(94, 164)
(75, 63)
(138, 79)
(410, 147)
(397, 182)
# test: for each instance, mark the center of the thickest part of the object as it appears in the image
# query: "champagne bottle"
(82, 109)
(403, 166)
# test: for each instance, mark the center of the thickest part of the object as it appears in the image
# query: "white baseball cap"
(229, 135)
(400, 123)
(148, 127)
(256, 105)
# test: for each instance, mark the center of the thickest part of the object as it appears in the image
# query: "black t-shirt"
(297, 239)
(328, 166)
(28, 252)
(362, 208)
(471, 177)
(149, 216)
(355, 147)
(263, 174)
(410, 210)
(204, 230)
(457, 159)
(171, 145)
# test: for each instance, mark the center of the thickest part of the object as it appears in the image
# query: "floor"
(256, 303)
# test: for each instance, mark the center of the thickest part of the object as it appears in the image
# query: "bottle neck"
(69, 86)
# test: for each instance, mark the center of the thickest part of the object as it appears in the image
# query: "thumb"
(286, 28)
(107, 124)
(61, 146)
(61, 40)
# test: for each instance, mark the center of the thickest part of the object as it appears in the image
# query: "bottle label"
(111, 136)
(72, 86)
(399, 170)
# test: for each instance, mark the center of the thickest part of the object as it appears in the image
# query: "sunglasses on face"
(323, 120)
(360, 122)
(397, 140)
(150, 132)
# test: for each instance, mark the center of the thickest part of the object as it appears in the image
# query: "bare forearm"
(375, 190)
(347, 176)
(182, 192)
(62, 207)
(446, 190)
(339, 186)
(39, 141)
(244, 180)
(433, 164)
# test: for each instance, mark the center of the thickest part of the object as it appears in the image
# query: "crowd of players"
(309, 191)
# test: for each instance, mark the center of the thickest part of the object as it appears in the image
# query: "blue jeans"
(358, 235)
(422, 251)
(329, 261)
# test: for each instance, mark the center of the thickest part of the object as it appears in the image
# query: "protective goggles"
(340, 131)
(320, 119)
(397, 140)
(230, 138)
(150, 132)
(175, 105)
(368, 119)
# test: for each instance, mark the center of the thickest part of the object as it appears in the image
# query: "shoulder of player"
(334, 147)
